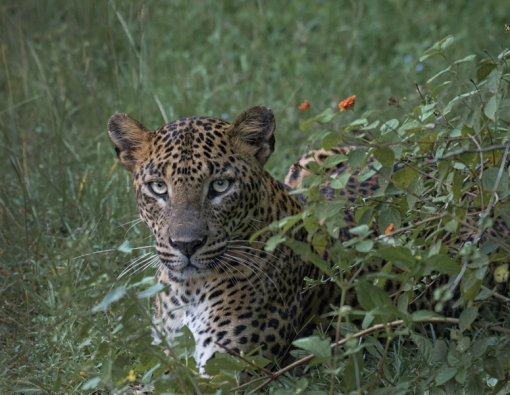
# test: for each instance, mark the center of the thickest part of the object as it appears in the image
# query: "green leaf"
(360, 230)
(440, 351)
(451, 226)
(385, 156)
(484, 71)
(493, 368)
(314, 345)
(437, 48)
(492, 107)
(414, 188)
(353, 366)
(445, 375)
(397, 255)
(357, 124)
(356, 157)
(307, 123)
(404, 177)
(222, 362)
(424, 345)
(273, 242)
(370, 296)
(333, 160)
(403, 303)
(454, 357)
(365, 246)
(372, 125)
(450, 105)
(463, 344)
(430, 80)
(461, 376)
(493, 80)
(489, 178)
(480, 346)
(341, 181)
(458, 182)
(331, 141)
(92, 383)
(327, 115)
(110, 297)
(468, 58)
(467, 317)
(475, 385)
(365, 173)
(439, 88)
(442, 264)
(390, 126)
(183, 343)
(388, 217)
(125, 247)
(447, 42)
(151, 291)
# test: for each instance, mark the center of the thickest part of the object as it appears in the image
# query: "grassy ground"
(68, 65)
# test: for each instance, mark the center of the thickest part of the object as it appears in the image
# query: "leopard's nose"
(188, 247)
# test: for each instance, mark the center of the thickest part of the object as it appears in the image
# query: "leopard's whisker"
(136, 263)
(245, 253)
(135, 222)
(130, 222)
(150, 264)
(133, 265)
(235, 259)
(109, 250)
(251, 265)
(254, 249)
(240, 272)
(229, 267)
(255, 241)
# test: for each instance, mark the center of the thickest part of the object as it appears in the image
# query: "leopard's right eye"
(158, 187)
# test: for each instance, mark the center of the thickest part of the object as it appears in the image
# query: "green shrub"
(443, 169)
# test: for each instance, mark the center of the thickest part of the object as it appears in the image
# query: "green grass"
(67, 66)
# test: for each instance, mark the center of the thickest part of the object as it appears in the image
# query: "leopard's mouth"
(187, 269)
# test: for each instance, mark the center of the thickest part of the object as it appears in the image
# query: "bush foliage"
(443, 182)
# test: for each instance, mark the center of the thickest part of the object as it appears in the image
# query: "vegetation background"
(67, 66)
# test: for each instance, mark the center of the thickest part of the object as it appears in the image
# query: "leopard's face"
(197, 186)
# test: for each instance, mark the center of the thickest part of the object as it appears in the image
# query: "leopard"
(201, 188)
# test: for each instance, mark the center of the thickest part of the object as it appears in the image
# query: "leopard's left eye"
(158, 187)
(220, 186)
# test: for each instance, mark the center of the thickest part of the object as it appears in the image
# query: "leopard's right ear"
(131, 139)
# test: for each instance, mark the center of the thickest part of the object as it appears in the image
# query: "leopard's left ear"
(253, 133)
(131, 139)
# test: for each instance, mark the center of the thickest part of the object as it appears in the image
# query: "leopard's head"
(197, 183)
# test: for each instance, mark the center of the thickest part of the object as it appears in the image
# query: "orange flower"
(389, 229)
(304, 106)
(347, 104)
